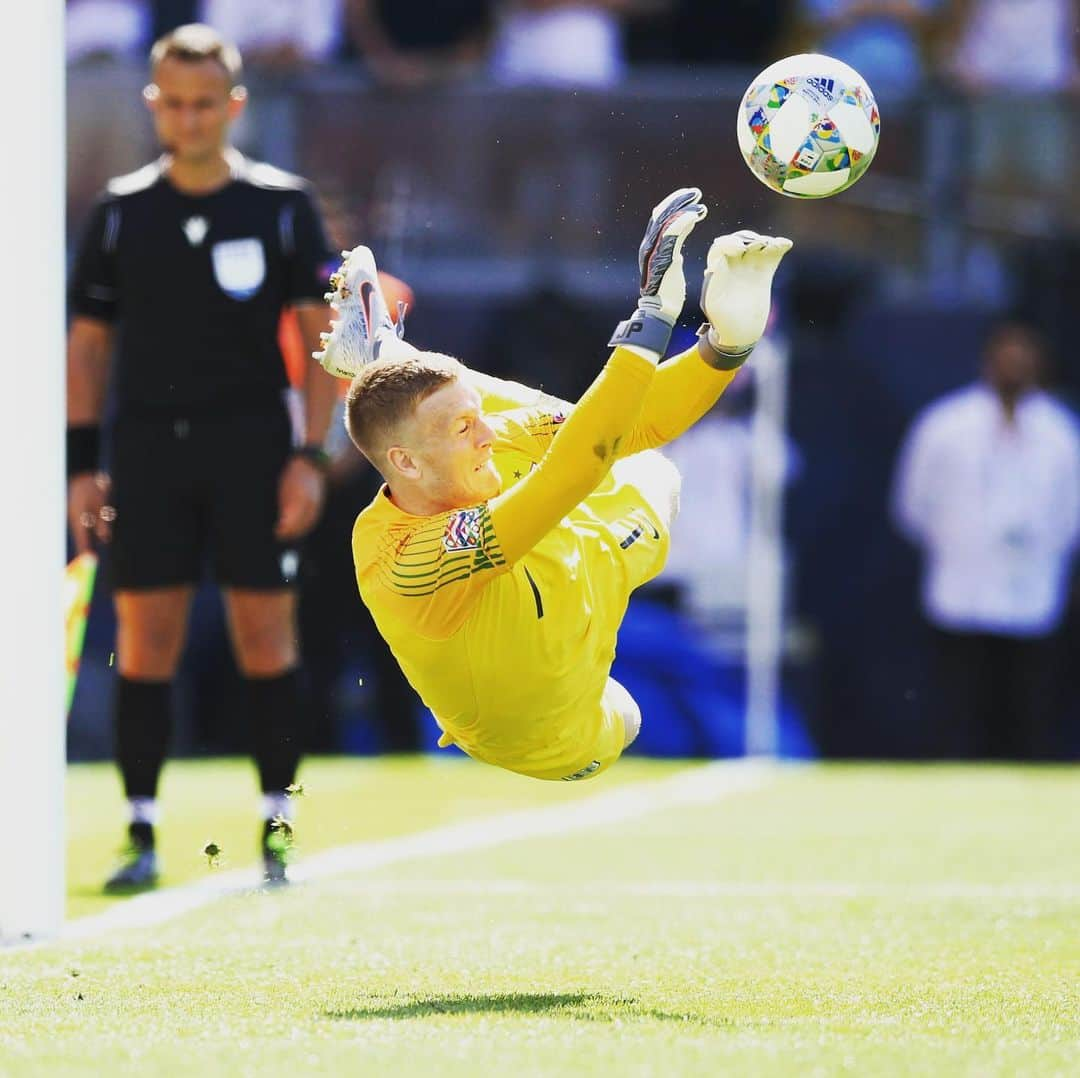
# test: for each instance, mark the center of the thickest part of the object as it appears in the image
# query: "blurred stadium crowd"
(498, 157)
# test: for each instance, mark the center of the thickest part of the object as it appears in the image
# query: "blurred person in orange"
(331, 622)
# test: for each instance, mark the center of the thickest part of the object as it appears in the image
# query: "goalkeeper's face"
(451, 448)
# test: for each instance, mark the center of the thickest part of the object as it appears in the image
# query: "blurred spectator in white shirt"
(1015, 46)
(559, 43)
(106, 131)
(278, 35)
(113, 29)
(1019, 60)
(278, 39)
(707, 563)
(988, 485)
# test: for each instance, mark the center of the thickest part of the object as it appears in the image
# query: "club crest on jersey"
(195, 228)
(239, 267)
(463, 531)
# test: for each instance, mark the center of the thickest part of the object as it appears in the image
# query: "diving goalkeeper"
(499, 557)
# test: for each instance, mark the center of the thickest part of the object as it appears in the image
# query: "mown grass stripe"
(703, 783)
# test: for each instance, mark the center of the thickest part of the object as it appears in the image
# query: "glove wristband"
(718, 358)
(643, 329)
(83, 449)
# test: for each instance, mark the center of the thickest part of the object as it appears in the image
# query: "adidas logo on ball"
(808, 126)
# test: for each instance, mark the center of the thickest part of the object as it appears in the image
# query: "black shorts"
(198, 490)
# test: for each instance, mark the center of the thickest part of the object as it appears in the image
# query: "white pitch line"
(711, 782)
(741, 889)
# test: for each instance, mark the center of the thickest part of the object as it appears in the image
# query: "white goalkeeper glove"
(735, 294)
(365, 331)
(663, 286)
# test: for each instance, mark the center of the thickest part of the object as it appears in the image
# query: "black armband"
(83, 449)
(717, 358)
(315, 454)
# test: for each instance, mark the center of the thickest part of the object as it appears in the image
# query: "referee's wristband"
(83, 449)
(314, 454)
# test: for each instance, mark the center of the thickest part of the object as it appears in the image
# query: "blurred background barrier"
(514, 213)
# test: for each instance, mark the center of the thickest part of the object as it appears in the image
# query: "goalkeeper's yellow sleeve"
(588, 443)
(683, 389)
(502, 395)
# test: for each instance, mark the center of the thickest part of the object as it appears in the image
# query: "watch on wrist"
(315, 454)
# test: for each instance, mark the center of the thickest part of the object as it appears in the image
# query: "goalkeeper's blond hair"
(385, 394)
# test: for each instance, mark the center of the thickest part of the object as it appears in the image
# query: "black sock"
(143, 724)
(275, 711)
(141, 835)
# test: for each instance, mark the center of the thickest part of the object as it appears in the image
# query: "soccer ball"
(808, 126)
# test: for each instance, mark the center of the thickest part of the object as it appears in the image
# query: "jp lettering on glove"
(662, 285)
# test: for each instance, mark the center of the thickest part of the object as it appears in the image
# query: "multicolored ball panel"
(808, 126)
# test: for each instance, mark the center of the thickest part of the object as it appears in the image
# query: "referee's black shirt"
(195, 285)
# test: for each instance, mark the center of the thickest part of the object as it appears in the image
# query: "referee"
(183, 273)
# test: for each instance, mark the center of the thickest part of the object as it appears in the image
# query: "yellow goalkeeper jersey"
(512, 654)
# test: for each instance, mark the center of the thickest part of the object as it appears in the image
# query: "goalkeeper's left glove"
(735, 294)
(663, 286)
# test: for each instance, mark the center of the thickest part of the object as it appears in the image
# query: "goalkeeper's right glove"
(663, 286)
(735, 294)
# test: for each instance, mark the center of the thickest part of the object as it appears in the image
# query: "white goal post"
(765, 549)
(31, 448)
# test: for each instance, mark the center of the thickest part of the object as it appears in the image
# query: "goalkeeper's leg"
(365, 329)
(619, 726)
(616, 699)
(656, 479)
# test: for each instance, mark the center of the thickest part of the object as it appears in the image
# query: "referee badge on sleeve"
(239, 267)
(463, 530)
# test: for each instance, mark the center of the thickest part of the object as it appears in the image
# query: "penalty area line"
(695, 785)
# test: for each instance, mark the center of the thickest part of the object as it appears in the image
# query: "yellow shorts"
(620, 721)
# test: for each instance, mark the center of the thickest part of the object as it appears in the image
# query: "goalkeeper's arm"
(579, 458)
(735, 298)
(591, 439)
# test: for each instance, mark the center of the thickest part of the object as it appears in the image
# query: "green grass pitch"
(834, 919)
